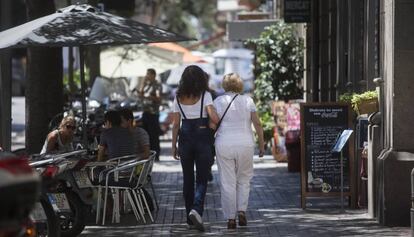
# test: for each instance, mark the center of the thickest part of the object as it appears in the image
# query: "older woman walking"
(235, 148)
(193, 106)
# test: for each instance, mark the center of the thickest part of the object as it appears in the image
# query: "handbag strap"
(228, 106)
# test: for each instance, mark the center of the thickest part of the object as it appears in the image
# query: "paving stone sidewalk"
(274, 209)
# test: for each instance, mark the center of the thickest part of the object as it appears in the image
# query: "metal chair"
(149, 181)
(113, 182)
(107, 165)
(124, 177)
(142, 181)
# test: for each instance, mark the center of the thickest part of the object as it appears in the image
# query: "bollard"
(412, 203)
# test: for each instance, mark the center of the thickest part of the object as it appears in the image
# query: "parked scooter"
(69, 191)
(43, 215)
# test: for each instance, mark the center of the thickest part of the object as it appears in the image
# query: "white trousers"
(235, 166)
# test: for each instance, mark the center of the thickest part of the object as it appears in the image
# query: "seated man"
(115, 140)
(140, 136)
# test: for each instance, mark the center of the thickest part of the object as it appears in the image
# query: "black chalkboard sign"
(362, 132)
(297, 11)
(321, 123)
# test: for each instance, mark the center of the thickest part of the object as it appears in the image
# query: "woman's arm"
(212, 114)
(146, 152)
(51, 141)
(143, 143)
(101, 153)
(259, 130)
(175, 129)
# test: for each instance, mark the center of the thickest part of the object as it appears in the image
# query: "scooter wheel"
(73, 223)
(52, 228)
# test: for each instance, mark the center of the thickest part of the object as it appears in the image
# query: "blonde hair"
(232, 82)
(66, 120)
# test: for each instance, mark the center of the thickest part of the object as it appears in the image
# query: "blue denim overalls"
(194, 147)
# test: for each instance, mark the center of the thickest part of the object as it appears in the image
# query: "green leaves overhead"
(177, 15)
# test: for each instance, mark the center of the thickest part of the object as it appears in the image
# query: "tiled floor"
(274, 209)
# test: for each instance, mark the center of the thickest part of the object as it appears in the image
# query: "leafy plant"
(346, 97)
(368, 95)
(268, 124)
(181, 16)
(278, 70)
(76, 80)
(279, 65)
(358, 99)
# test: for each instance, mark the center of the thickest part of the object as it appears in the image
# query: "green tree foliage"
(279, 70)
(187, 17)
(76, 80)
(177, 15)
(279, 65)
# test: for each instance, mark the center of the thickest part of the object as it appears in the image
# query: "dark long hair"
(193, 82)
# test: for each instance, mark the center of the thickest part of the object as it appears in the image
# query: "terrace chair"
(142, 181)
(149, 181)
(111, 180)
(124, 159)
(125, 177)
(107, 165)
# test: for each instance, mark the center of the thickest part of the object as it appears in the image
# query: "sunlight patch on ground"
(168, 164)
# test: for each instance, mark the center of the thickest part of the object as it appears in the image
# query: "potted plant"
(278, 70)
(346, 97)
(365, 103)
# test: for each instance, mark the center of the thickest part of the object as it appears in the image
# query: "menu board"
(321, 124)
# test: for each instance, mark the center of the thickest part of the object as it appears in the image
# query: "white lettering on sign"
(330, 115)
(300, 5)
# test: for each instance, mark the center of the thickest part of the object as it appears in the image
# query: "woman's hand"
(259, 130)
(175, 153)
(261, 152)
(212, 125)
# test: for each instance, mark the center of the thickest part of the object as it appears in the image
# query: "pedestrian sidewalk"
(274, 209)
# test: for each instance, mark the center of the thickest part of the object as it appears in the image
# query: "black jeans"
(151, 124)
(194, 147)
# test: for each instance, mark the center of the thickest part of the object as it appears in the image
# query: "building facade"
(360, 45)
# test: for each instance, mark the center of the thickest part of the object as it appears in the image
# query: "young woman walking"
(193, 107)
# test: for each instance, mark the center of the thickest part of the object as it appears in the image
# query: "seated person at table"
(60, 140)
(140, 136)
(115, 140)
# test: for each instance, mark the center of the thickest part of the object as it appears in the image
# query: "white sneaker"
(196, 219)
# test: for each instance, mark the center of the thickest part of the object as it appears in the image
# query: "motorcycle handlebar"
(46, 162)
(72, 153)
(56, 158)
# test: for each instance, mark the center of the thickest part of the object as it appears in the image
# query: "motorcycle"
(69, 191)
(43, 215)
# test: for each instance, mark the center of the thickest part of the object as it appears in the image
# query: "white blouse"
(193, 111)
(236, 127)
